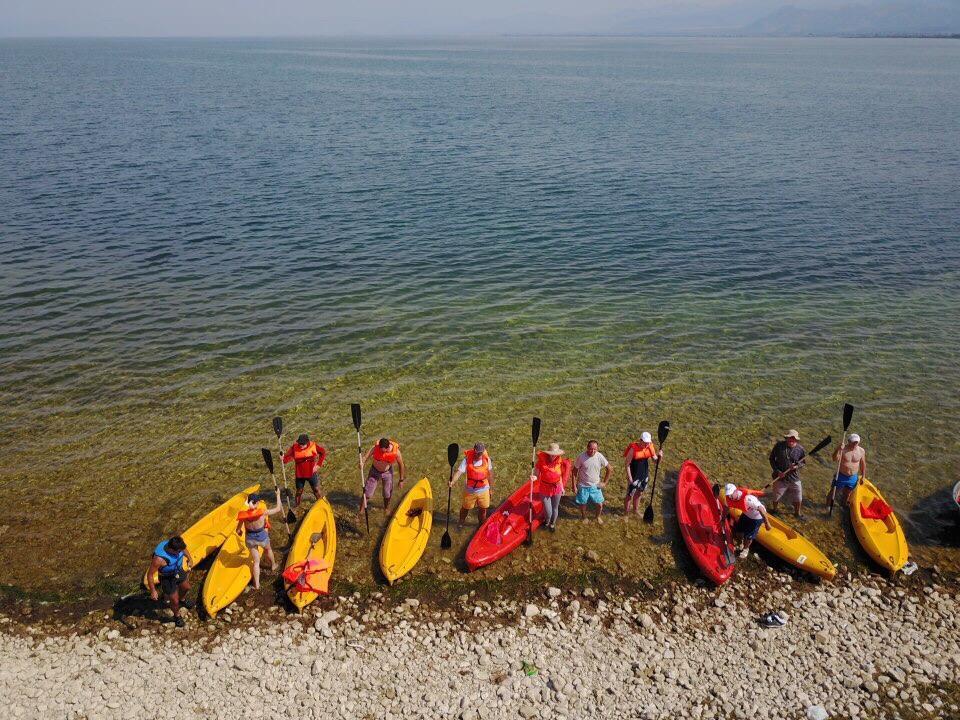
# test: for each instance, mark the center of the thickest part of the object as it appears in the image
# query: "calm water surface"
(736, 234)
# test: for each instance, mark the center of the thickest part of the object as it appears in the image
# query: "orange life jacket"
(310, 575)
(477, 476)
(387, 456)
(254, 514)
(635, 451)
(551, 468)
(307, 458)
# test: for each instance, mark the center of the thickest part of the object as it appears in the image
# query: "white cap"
(646, 437)
(730, 489)
(853, 437)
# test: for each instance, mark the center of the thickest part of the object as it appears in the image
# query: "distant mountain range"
(899, 17)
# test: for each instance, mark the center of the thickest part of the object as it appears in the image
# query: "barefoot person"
(551, 473)
(307, 457)
(255, 521)
(786, 459)
(752, 517)
(637, 462)
(384, 454)
(167, 564)
(853, 466)
(589, 484)
(478, 467)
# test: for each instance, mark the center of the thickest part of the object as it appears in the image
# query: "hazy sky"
(322, 17)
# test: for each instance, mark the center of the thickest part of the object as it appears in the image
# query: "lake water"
(735, 234)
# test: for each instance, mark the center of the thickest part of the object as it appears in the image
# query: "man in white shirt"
(589, 485)
(750, 521)
(478, 467)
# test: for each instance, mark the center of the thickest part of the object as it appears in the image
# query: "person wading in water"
(786, 459)
(551, 474)
(308, 457)
(637, 462)
(478, 467)
(384, 454)
(853, 466)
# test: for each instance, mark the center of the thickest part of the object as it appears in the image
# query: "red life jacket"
(307, 458)
(478, 477)
(551, 468)
(310, 575)
(387, 456)
(741, 504)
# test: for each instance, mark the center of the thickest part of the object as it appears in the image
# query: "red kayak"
(504, 529)
(698, 512)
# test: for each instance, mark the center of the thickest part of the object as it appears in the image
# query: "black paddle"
(355, 411)
(453, 452)
(268, 461)
(662, 431)
(847, 417)
(278, 429)
(535, 436)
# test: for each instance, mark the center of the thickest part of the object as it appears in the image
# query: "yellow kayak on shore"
(209, 532)
(318, 521)
(407, 534)
(882, 539)
(230, 573)
(792, 547)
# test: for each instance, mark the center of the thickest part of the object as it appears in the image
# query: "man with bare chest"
(853, 466)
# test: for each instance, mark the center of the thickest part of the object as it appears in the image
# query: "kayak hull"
(209, 532)
(505, 529)
(883, 540)
(956, 496)
(230, 573)
(792, 547)
(318, 520)
(408, 532)
(698, 513)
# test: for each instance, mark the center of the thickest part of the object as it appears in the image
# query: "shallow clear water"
(737, 234)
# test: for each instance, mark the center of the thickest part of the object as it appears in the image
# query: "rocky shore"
(859, 648)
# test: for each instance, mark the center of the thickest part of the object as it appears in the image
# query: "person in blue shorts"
(852, 462)
(589, 483)
(748, 525)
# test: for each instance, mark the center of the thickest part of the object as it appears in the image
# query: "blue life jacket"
(174, 562)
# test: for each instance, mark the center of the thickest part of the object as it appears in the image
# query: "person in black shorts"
(167, 567)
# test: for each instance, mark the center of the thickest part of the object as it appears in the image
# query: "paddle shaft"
(656, 470)
(847, 417)
(363, 489)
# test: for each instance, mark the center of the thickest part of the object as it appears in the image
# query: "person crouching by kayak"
(853, 465)
(637, 462)
(478, 467)
(551, 473)
(752, 517)
(786, 459)
(255, 521)
(167, 565)
(308, 457)
(736, 497)
(384, 454)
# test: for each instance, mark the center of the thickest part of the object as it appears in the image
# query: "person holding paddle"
(167, 565)
(478, 467)
(637, 462)
(384, 454)
(307, 457)
(786, 459)
(550, 473)
(852, 465)
(255, 522)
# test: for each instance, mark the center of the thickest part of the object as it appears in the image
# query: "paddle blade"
(535, 430)
(291, 515)
(267, 459)
(278, 426)
(847, 415)
(355, 411)
(445, 541)
(663, 430)
(821, 445)
(648, 514)
(453, 452)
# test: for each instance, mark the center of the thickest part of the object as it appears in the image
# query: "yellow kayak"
(318, 521)
(209, 532)
(230, 573)
(408, 532)
(792, 547)
(883, 540)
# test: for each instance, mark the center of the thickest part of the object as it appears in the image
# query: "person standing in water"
(786, 459)
(853, 465)
(384, 454)
(637, 456)
(589, 484)
(307, 457)
(256, 523)
(167, 567)
(478, 467)
(550, 474)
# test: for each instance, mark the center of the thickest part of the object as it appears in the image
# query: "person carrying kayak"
(384, 454)
(550, 474)
(167, 565)
(753, 515)
(853, 465)
(637, 461)
(307, 457)
(478, 467)
(256, 523)
(786, 459)
(589, 484)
